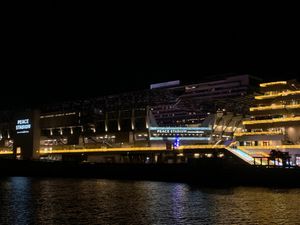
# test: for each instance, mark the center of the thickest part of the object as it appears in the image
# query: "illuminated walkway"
(246, 153)
(241, 154)
(130, 149)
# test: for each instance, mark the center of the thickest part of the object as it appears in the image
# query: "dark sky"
(70, 58)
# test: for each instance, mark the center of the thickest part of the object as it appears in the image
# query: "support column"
(132, 119)
(119, 120)
(106, 122)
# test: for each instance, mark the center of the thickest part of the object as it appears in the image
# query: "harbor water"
(25, 200)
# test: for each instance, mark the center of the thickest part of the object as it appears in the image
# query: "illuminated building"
(274, 122)
(190, 104)
(200, 113)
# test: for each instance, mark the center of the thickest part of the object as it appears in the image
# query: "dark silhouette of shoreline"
(211, 172)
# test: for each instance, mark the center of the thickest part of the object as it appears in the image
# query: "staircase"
(247, 157)
(241, 154)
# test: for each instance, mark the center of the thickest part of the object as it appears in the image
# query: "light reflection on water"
(95, 201)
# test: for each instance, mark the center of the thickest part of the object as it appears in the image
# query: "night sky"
(68, 59)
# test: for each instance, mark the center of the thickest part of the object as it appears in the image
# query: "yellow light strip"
(6, 153)
(260, 108)
(296, 106)
(183, 147)
(127, 149)
(260, 97)
(272, 83)
(270, 147)
(266, 107)
(101, 150)
(257, 133)
(276, 120)
(263, 153)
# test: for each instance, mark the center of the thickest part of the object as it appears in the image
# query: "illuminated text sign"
(183, 133)
(23, 126)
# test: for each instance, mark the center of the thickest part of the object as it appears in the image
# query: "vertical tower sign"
(27, 135)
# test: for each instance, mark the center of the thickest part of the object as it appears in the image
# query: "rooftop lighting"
(272, 83)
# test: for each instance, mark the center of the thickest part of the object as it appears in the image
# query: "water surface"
(96, 201)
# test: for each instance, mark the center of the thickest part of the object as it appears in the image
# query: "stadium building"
(165, 115)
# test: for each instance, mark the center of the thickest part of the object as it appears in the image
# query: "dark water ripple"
(95, 201)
